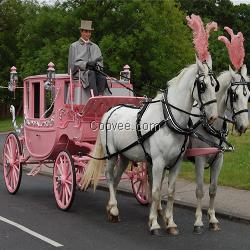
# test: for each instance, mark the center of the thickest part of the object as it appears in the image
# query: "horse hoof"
(158, 232)
(214, 227)
(173, 231)
(198, 229)
(113, 218)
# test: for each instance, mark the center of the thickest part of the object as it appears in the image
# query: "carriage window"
(36, 87)
(66, 92)
(49, 95)
(27, 95)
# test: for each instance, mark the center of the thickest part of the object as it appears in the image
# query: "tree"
(150, 36)
(225, 14)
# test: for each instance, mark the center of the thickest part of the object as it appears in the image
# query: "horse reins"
(232, 96)
(201, 87)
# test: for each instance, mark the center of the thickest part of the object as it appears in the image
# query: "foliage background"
(151, 36)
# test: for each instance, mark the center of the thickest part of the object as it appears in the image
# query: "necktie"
(88, 51)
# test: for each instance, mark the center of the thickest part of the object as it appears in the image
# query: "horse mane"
(224, 78)
(181, 73)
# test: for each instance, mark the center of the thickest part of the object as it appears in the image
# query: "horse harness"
(168, 120)
(232, 96)
(223, 132)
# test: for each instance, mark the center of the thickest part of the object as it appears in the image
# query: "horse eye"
(235, 97)
(203, 88)
(244, 91)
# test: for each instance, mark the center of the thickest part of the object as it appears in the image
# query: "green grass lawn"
(6, 124)
(236, 168)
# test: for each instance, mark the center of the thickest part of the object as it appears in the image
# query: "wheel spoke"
(7, 156)
(16, 168)
(11, 148)
(8, 148)
(68, 182)
(60, 193)
(15, 178)
(67, 188)
(11, 179)
(63, 195)
(7, 174)
(58, 167)
(67, 195)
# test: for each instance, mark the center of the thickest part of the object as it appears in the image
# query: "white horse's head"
(204, 89)
(238, 96)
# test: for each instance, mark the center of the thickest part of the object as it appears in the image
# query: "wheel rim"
(140, 183)
(12, 166)
(64, 181)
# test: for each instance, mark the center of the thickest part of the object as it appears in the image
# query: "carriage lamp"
(50, 76)
(13, 79)
(125, 74)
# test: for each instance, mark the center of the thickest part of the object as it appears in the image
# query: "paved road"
(86, 227)
(2, 140)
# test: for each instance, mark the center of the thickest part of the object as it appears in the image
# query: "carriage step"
(35, 170)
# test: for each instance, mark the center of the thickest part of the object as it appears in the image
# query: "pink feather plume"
(235, 48)
(200, 35)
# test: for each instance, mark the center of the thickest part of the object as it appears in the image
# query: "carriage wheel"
(12, 167)
(64, 179)
(139, 182)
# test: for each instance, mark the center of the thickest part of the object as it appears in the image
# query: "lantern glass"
(53, 75)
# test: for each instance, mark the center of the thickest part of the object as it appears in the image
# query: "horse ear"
(209, 62)
(244, 70)
(233, 74)
(199, 64)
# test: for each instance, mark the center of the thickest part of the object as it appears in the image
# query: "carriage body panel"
(50, 127)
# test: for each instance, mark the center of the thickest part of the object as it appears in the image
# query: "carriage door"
(39, 129)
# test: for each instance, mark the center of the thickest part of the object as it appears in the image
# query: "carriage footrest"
(35, 170)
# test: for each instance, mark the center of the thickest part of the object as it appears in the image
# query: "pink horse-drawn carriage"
(60, 133)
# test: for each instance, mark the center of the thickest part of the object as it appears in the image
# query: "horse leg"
(157, 172)
(168, 216)
(122, 165)
(149, 168)
(160, 210)
(214, 174)
(112, 210)
(199, 170)
(150, 181)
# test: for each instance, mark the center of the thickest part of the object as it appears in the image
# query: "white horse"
(232, 96)
(165, 147)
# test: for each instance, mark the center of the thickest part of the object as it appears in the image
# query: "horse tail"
(94, 167)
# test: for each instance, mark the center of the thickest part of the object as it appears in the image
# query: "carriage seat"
(81, 95)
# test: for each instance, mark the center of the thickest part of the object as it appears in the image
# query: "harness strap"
(183, 148)
(106, 128)
(138, 131)
(171, 122)
(241, 111)
(202, 138)
(142, 139)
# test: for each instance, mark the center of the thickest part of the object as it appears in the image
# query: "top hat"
(86, 25)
